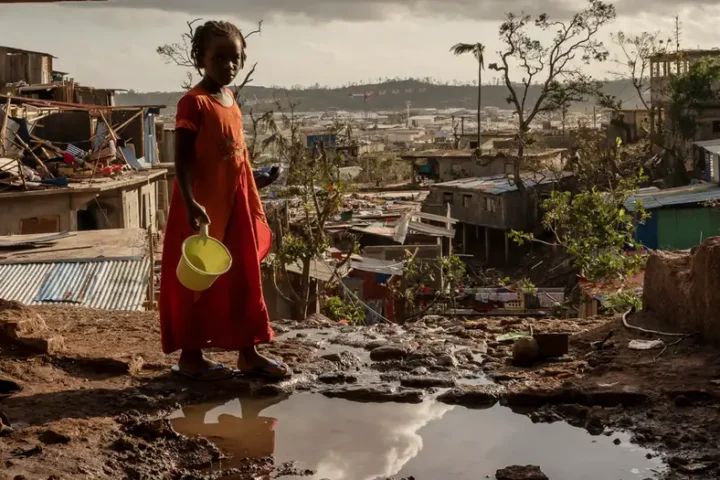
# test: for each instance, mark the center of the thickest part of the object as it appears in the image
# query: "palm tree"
(478, 51)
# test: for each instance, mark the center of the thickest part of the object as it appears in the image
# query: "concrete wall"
(53, 213)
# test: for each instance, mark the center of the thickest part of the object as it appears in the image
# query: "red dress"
(231, 314)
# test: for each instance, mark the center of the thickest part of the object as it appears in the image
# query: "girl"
(216, 186)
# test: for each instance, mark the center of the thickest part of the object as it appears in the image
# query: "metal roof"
(103, 284)
(377, 265)
(499, 184)
(674, 196)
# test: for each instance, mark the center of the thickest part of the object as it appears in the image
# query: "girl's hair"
(210, 29)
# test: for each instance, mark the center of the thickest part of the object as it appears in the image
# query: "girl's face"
(223, 59)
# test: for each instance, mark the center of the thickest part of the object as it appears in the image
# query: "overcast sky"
(331, 42)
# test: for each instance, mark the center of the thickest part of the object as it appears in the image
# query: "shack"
(490, 207)
(680, 218)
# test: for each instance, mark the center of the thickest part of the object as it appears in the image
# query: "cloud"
(369, 10)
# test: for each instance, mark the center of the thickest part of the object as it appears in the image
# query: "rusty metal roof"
(106, 284)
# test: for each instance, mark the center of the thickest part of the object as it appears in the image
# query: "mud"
(97, 408)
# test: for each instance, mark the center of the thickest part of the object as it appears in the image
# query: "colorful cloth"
(231, 314)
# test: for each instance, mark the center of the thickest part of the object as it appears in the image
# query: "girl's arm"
(189, 119)
(184, 156)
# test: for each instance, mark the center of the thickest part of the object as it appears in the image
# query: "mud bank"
(96, 404)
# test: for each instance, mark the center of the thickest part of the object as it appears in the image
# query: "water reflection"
(343, 440)
(236, 427)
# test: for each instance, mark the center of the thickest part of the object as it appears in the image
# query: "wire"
(352, 294)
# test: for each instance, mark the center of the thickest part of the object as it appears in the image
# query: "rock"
(345, 359)
(388, 352)
(52, 437)
(426, 382)
(617, 441)
(525, 351)
(472, 396)
(447, 360)
(517, 472)
(8, 387)
(372, 345)
(420, 371)
(5, 428)
(336, 378)
(379, 394)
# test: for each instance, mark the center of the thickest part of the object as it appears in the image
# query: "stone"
(376, 394)
(525, 351)
(617, 441)
(447, 360)
(426, 382)
(52, 437)
(372, 345)
(517, 472)
(345, 359)
(472, 396)
(388, 352)
(336, 378)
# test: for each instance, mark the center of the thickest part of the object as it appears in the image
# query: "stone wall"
(683, 289)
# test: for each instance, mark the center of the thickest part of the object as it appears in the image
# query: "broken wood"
(21, 143)
(115, 138)
(6, 115)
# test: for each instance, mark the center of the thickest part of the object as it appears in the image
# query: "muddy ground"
(93, 405)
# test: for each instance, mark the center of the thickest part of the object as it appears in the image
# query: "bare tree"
(637, 50)
(556, 66)
(179, 54)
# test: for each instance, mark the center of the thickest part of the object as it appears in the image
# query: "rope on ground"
(644, 330)
(672, 345)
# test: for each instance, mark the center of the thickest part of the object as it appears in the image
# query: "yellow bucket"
(203, 260)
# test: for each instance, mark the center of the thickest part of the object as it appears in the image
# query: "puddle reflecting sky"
(345, 440)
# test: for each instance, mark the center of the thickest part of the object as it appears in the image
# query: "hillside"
(391, 95)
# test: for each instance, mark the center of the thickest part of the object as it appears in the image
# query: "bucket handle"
(205, 230)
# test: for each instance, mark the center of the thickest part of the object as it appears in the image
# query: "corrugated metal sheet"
(106, 284)
(675, 196)
(499, 184)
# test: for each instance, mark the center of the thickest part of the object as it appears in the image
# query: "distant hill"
(391, 95)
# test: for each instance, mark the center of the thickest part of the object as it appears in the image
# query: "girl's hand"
(197, 215)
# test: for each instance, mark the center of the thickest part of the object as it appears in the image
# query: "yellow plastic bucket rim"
(205, 233)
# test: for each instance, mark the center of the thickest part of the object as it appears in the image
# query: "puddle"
(356, 441)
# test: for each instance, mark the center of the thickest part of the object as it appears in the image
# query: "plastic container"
(203, 260)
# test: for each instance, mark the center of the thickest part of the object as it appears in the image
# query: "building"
(448, 165)
(488, 208)
(662, 67)
(130, 201)
(18, 65)
(680, 218)
(628, 125)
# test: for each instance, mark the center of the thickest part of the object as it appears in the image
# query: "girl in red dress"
(215, 185)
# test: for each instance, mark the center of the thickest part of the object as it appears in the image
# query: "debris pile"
(48, 144)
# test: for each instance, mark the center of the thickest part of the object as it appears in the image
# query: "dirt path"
(95, 408)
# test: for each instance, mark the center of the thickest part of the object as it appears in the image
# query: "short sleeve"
(189, 113)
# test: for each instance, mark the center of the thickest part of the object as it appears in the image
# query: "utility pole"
(407, 106)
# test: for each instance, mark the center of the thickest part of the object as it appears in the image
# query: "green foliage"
(689, 93)
(622, 301)
(418, 274)
(595, 229)
(338, 309)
